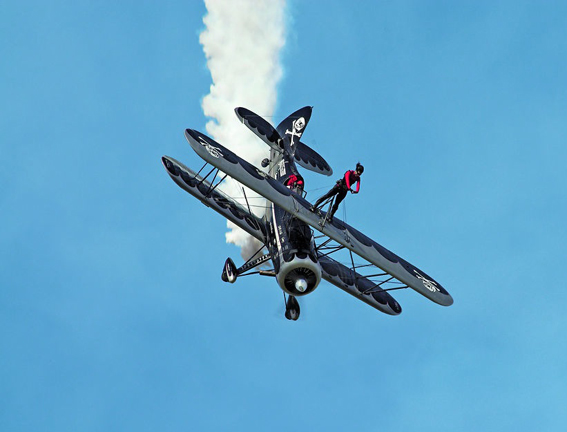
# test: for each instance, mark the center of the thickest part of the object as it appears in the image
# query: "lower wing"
(209, 195)
(358, 286)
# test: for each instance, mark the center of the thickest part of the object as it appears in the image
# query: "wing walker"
(298, 238)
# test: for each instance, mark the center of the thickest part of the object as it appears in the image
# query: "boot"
(330, 215)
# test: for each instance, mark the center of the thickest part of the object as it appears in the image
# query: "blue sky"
(112, 312)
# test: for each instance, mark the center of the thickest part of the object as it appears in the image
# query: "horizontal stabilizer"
(212, 197)
(311, 160)
(264, 130)
(304, 155)
(358, 286)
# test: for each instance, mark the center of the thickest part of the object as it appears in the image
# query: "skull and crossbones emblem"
(213, 151)
(296, 128)
(429, 284)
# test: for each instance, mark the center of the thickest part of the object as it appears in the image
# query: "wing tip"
(449, 301)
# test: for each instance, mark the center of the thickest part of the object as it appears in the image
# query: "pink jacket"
(351, 177)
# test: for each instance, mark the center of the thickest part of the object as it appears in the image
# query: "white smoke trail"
(242, 42)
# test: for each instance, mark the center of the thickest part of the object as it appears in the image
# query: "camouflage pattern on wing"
(311, 160)
(264, 130)
(358, 286)
(247, 174)
(212, 197)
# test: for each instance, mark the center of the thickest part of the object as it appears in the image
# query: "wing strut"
(332, 249)
(373, 289)
(211, 187)
(210, 191)
(377, 287)
(253, 263)
(200, 170)
(248, 205)
(353, 267)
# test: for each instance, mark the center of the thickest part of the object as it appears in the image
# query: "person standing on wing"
(341, 188)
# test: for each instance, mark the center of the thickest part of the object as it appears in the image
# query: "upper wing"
(212, 197)
(358, 286)
(347, 236)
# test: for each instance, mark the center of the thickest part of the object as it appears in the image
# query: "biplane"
(300, 241)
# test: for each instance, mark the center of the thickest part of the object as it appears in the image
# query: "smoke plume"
(242, 42)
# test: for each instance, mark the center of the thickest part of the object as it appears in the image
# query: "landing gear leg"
(292, 308)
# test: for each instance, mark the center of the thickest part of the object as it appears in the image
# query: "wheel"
(292, 309)
(229, 273)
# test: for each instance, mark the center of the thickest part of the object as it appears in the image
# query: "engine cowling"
(300, 276)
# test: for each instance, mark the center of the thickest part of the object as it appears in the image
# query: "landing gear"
(292, 308)
(229, 271)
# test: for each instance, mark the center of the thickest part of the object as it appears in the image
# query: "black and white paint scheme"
(296, 130)
(297, 241)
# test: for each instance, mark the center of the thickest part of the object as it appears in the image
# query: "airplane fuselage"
(290, 240)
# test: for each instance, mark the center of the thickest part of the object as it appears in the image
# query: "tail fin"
(291, 128)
